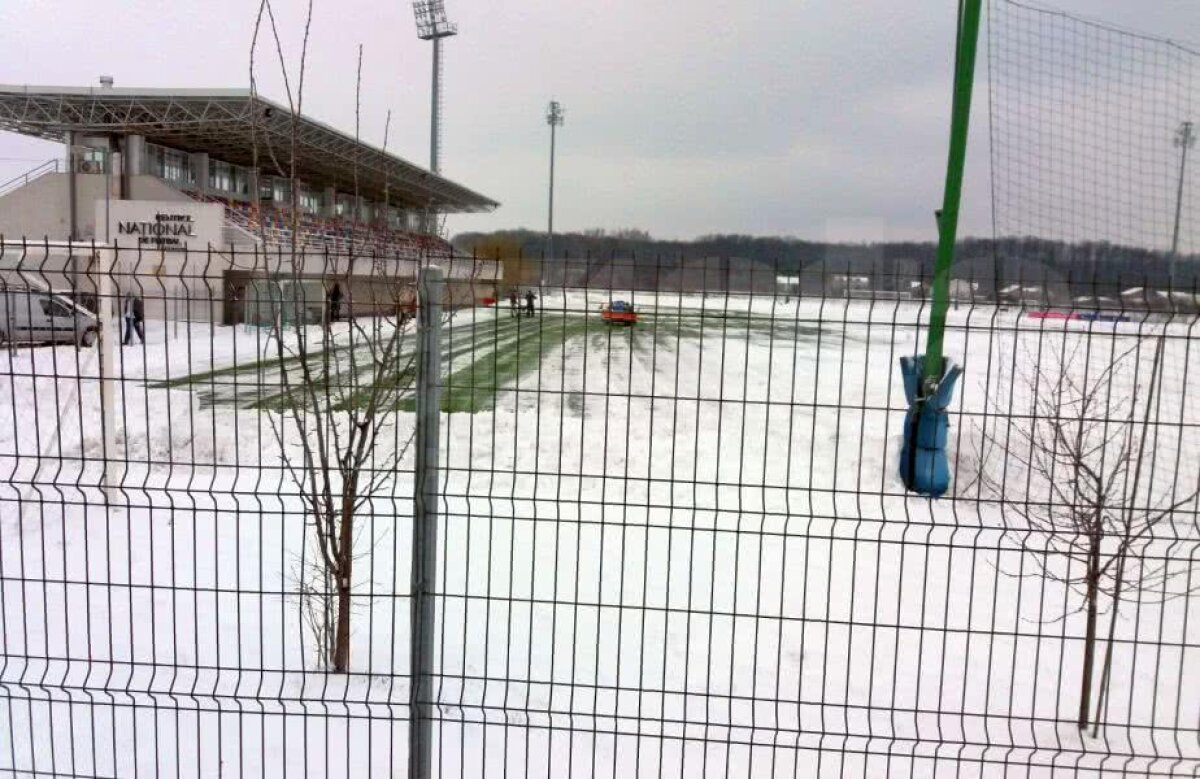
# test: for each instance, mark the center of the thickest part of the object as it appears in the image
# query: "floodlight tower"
(432, 25)
(1185, 138)
(554, 117)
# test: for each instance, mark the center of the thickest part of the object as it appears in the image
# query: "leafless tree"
(1071, 472)
(338, 404)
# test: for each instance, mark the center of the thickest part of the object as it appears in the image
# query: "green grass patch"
(480, 358)
(527, 341)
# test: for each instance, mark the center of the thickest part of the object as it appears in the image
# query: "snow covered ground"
(677, 549)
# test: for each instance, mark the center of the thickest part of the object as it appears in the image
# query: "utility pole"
(554, 118)
(1185, 138)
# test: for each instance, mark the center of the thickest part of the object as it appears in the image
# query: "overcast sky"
(822, 119)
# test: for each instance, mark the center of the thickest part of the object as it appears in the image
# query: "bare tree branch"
(1080, 454)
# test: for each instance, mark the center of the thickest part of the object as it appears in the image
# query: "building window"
(241, 180)
(170, 164)
(220, 176)
(91, 160)
(309, 200)
(155, 155)
(175, 166)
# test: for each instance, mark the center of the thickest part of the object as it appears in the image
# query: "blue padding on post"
(924, 466)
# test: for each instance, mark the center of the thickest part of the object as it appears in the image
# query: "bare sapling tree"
(335, 416)
(1070, 470)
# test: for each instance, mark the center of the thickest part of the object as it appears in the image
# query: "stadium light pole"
(554, 117)
(432, 25)
(1185, 138)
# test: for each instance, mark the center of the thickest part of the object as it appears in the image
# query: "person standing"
(335, 303)
(529, 298)
(134, 314)
(513, 306)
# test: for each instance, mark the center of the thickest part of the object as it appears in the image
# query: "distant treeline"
(990, 263)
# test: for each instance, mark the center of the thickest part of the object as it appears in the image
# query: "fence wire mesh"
(671, 534)
(677, 547)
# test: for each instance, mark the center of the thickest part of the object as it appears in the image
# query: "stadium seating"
(274, 225)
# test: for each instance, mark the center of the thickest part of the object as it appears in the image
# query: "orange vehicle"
(618, 312)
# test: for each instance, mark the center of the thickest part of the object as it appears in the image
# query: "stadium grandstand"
(211, 170)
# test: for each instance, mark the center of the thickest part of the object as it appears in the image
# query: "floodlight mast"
(555, 115)
(1185, 138)
(432, 25)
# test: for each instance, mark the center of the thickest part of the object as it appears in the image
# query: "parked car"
(618, 312)
(34, 316)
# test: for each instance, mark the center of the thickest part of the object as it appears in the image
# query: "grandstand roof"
(225, 123)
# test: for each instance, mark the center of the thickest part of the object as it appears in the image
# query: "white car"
(33, 316)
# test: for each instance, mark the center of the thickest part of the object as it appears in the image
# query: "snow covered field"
(677, 549)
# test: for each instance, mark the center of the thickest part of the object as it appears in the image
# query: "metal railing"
(49, 166)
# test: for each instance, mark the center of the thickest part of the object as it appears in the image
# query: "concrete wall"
(154, 188)
(41, 208)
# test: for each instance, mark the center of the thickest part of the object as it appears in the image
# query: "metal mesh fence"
(678, 546)
(274, 514)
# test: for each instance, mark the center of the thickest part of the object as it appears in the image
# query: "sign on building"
(152, 237)
(153, 224)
